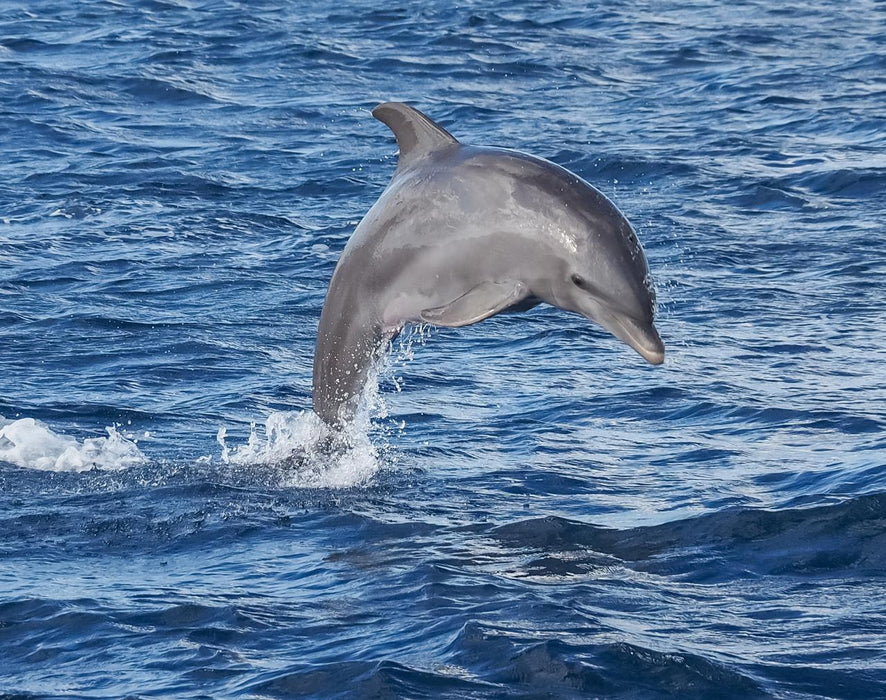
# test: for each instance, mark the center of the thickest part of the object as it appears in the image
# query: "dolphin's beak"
(640, 335)
(643, 337)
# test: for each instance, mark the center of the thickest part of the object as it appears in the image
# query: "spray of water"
(29, 443)
(303, 451)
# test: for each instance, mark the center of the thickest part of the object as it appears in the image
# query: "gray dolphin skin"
(463, 233)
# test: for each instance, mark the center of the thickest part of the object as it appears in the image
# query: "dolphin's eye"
(579, 281)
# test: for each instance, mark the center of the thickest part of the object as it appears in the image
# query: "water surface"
(534, 511)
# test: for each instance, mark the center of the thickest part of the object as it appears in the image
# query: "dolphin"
(463, 233)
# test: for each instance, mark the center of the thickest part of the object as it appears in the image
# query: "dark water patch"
(766, 198)
(855, 683)
(824, 541)
(370, 680)
(603, 670)
(623, 170)
(727, 413)
(191, 616)
(39, 631)
(858, 183)
(128, 513)
(26, 45)
(783, 100)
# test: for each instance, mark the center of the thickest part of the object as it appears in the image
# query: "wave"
(483, 661)
(820, 541)
(576, 669)
(170, 90)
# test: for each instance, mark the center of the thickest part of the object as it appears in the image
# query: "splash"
(302, 451)
(29, 443)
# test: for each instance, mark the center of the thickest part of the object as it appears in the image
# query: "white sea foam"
(306, 453)
(302, 451)
(29, 443)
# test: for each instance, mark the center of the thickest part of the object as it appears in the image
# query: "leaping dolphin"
(463, 233)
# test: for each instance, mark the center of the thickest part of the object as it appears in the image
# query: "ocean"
(528, 509)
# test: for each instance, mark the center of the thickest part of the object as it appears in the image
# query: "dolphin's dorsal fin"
(416, 134)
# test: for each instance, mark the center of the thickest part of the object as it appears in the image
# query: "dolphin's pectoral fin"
(479, 303)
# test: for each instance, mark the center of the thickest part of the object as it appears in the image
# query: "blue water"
(532, 511)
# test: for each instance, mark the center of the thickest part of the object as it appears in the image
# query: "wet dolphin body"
(463, 233)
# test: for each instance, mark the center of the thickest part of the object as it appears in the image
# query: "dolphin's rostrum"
(463, 233)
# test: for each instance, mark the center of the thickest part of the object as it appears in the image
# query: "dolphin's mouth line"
(640, 335)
